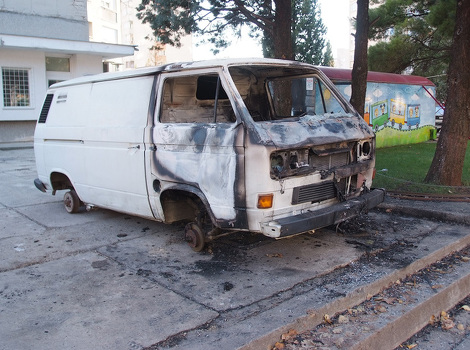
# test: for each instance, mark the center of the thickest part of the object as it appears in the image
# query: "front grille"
(314, 193)
(329, 161)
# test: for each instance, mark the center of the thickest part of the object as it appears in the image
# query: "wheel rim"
(71, 202)
(68, 202)
(194, 237)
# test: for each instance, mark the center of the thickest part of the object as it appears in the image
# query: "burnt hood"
(312, 130)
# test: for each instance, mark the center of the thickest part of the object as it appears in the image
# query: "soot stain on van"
(199, 135)
(334, 127)
(349, 124)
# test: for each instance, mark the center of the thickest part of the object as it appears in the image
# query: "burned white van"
(262, 145)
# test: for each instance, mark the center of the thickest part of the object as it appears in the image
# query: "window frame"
(54, 57)
(30, 104)
(198, 73)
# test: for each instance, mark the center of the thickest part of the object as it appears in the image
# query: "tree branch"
(264, 23)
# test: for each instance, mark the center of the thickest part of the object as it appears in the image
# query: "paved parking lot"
(105, 280)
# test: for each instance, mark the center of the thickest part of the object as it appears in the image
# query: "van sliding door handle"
(134, 147)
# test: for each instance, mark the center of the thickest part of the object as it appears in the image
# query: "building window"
(109, 4)
(109, 35)
(57, 64)
(52, 82)
(90, 30)
(15, 83)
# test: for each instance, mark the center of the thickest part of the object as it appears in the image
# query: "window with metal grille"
(15, 83)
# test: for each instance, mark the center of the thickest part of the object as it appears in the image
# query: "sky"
(335, 15)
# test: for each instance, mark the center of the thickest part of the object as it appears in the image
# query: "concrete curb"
(427, 213)
(359, 295)
(15, 146)
(396, 332)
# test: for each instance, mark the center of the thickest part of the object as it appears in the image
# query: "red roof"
(339, 74)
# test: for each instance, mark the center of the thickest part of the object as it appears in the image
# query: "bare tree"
(447, 165)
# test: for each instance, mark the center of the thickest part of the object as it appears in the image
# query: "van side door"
(197, 148)
(112, 145)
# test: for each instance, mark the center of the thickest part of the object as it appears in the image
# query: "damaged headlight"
(288, 163)
(364, 150)
(277, 164)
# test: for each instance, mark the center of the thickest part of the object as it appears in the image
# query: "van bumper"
(334, 214)
(39, 185)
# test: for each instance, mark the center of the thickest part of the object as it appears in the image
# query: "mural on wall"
(379, 114)
(413, 115)
(398, 113)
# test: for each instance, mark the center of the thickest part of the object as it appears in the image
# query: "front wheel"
(194, 237)
(71, 202)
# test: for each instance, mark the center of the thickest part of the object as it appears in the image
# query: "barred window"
(15, 87)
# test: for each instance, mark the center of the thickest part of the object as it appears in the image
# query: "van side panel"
(58, 141)
(114, 148)
(101, 125)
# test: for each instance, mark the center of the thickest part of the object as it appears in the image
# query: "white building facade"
(134, 32)
(43, 42)
(115, 21)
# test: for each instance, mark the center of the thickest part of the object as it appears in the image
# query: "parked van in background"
(261, 145)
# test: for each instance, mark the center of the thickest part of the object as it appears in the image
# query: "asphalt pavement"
(106, 280)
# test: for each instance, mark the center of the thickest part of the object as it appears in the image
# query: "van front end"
(309, 157)
(312, 187)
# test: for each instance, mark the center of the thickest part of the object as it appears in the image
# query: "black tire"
(71, 202)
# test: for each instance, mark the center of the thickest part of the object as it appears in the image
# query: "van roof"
(335, 74)
(177, 67)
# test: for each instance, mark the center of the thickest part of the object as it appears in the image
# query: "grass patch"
(403, 169)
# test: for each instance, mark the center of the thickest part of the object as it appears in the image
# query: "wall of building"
(134, 32)
(104, 26)
(17, 132)
(34, 61)
(86, 65)
(70, 9)
(55, 19)
(104, 21)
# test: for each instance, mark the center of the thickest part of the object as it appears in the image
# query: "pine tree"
(308, 32)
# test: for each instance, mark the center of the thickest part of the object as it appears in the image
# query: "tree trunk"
(359, 71)
(447, 165)
(282, 30)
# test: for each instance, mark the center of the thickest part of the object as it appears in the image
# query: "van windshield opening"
(297, 97)
(277, 94)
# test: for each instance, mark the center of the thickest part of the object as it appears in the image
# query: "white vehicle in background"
(262, 145)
